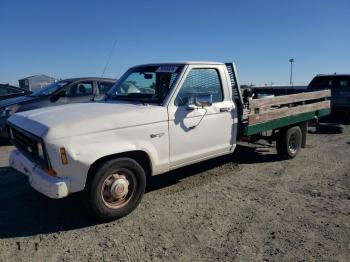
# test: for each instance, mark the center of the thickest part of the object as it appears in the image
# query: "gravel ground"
(246, 207)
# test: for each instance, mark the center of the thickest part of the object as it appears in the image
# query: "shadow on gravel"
(329, 125)
(254, 155)
(243, 155)
(25, 212)
(329, 128)
(339, 118)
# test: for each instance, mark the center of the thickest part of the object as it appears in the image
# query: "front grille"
(25, 143)
(28, 144)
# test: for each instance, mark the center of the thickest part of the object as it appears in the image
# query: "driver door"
(199, 133)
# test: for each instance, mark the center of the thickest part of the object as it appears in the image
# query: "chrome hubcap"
(292, 144)
(117, 188)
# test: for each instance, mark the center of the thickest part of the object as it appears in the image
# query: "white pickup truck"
(156, 118)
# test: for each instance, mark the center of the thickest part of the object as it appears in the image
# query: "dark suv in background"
(340, 88)
(74, 90)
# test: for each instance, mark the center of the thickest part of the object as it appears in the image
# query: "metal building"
(35, 82)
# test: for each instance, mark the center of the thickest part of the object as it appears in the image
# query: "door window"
(103, 87)
(200, 81)
(81, 89)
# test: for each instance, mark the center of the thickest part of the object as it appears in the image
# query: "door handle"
(225, 109)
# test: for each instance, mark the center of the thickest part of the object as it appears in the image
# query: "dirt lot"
(247, 207)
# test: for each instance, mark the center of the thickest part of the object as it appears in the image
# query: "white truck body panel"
(205, 140)
(91, 131)
(171, 136)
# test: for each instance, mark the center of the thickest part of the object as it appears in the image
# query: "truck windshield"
(49, 89)
(145, 84)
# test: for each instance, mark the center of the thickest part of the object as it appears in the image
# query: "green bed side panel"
(249, 130)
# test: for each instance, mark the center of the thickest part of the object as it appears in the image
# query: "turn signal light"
(64, 158)
(51, 172)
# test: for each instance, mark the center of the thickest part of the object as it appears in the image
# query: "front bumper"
(53, 187)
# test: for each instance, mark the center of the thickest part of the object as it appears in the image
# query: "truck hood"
(84, 118)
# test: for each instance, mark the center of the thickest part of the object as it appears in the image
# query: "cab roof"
(181, 63)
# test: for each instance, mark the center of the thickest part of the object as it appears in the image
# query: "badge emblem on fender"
(156, 135)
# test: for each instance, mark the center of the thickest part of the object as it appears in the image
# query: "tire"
(289, 142)
(115, 189)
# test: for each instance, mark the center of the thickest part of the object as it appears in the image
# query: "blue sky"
(73, 38)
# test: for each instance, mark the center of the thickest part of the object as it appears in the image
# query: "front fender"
(83, 151)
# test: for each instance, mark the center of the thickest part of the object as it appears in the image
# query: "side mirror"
(57, 96)
(203, 100)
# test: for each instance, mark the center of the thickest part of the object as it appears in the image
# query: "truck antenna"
(109, 58)
(105, 67)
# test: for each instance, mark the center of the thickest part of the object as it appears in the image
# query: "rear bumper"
(53, 187)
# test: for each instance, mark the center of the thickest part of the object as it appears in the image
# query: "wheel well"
(303, 127)
(139, 156)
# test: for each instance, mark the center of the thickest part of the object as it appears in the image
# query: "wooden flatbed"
(261, 115)
(283, 118)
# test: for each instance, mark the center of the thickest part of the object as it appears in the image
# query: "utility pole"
(291, 60)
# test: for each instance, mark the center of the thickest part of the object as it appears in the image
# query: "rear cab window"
(321, 83)
(330, 82)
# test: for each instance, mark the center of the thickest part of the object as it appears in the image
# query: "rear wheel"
(115, 189)
(289, 142)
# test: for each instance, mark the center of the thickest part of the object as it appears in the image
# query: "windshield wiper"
(126, 98)
(136, 99)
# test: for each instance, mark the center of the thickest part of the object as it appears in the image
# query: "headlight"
(11, 133)
(41, 153)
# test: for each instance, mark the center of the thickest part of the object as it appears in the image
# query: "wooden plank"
(287, 111)
(249, 130)
(280, 100)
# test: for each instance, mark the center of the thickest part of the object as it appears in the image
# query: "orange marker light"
(51, 172)
(64, 158)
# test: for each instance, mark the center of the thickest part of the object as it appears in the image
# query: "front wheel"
(289, 142)
(115, 189)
